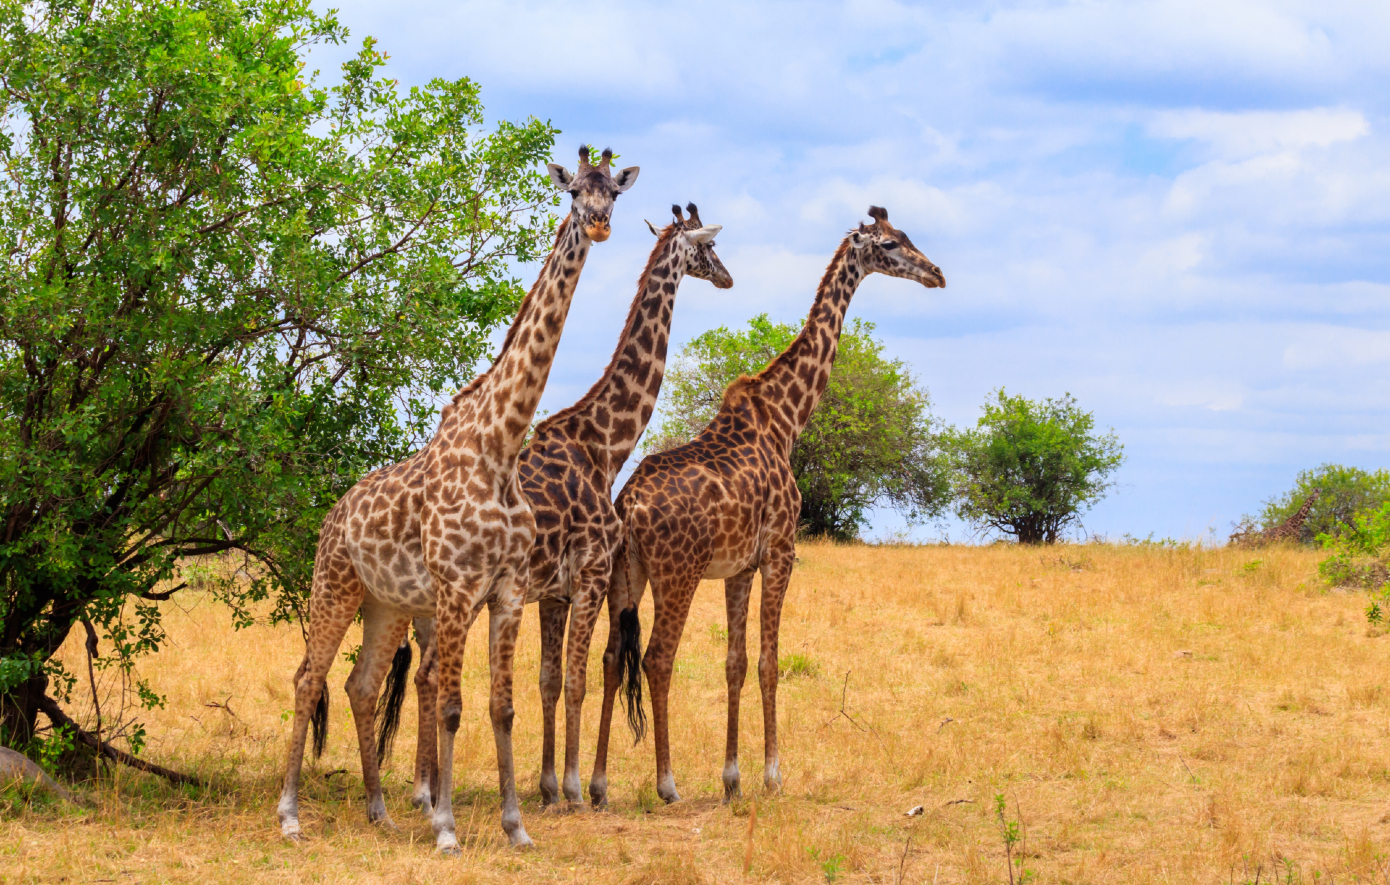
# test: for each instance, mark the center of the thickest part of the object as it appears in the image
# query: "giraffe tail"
(319, 721)
(630, 670)
(388, 706)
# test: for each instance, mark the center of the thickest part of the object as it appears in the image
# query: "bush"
(1031, 468)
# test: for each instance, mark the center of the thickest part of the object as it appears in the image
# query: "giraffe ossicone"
(726, 505)
(444, 533)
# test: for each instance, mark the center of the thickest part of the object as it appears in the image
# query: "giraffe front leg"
(504, 621)
(776, 570)
(459, 604)
(737, 591)
(427, 735)
(553, 615)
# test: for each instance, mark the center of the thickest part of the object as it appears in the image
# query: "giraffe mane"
(663, 238)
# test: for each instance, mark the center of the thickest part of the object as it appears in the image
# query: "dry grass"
(1151, 715)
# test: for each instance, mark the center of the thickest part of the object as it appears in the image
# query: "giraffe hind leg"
(382, 632)
(427, 739)
(331, 611)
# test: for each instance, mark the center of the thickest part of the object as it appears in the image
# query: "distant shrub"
(1358, 557)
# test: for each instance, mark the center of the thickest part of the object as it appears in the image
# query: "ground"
(1147, 714)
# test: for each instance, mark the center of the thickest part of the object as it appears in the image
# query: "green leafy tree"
(1031, 468)
(871, 441)
(229, 292)
(1347, 492)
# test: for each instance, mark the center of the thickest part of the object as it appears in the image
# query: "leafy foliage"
(870, 441)
(1031, 468)
(1358, 556)
(1346, 493)
(230, 291)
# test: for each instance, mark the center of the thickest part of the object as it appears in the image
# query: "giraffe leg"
(427, 738)
(382, 631)
(777, 572)
(459, 604)
(672, 603)
(330, 613)
(554, 612)
(504, 621)
(736, 594)
(587, 600)
(625, 588)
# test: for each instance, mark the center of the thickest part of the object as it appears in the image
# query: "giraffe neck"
(508, 393)
(612, 416)
(793, 383)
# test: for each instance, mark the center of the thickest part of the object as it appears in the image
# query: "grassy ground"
(1148, 715)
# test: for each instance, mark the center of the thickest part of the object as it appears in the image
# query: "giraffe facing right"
(726, 505)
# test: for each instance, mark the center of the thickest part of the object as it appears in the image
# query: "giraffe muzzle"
(597, 228)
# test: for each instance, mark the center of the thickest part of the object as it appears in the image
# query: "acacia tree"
(870, 441)
(229, 291)
(1029, 468)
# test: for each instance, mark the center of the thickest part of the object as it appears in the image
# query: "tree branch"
(56, 714)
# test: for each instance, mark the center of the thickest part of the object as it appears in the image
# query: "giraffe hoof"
(520, 840)
(386, 823)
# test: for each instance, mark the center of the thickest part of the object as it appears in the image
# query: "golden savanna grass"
(1149, 715)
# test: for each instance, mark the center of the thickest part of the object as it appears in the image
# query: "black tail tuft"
(319, 721)
(388, 706)
(630, 670)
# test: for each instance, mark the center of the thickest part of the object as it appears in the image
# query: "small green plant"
(1252, 566)
(797, 664)
(717, 633)
(830, 866)
(647, 798)
(1013, 834)
(46, 752)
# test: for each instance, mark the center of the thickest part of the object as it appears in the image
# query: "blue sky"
(1179, 212)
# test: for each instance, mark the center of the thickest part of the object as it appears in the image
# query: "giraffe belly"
(402, 583)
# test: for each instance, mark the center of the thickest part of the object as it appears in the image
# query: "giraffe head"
(696, 241)
(887, 250)
(593, 190)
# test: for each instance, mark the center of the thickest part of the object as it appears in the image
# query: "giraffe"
(445, 532)
(567, 472)
(725, 505)
(1290, 529)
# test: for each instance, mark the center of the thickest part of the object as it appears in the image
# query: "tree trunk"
(19, 710)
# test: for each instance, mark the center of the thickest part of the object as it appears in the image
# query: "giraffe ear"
(626, 178)
(857, 240)
(651, 227)
(704, 234)
(559, 176)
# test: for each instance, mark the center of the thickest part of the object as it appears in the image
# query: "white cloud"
(1333, 347)
(1245, 134)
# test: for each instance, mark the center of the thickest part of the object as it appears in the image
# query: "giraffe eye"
(889, 244)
